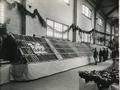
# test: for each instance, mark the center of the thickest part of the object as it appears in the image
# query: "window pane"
(85, 37)
(2, 13)
(58, 35)
(86, 11)
(58, 27)
(83, 9)
(49, 32)
(108, 29)
(82, 36)
(57, 30)
(89, 14)
(65, 36)
(99, 21)
(65, 28)
(50, 23)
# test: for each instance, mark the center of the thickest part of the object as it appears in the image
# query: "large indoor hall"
(59, 44)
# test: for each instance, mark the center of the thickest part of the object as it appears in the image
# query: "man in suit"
(95, 55)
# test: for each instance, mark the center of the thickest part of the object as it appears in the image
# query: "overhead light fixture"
(67, 2)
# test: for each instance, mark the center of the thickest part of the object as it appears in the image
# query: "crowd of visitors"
(101, 55)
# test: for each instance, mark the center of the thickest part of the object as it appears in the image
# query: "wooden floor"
(68, 80)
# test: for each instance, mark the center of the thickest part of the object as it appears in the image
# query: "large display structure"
(39, 57)
(33, 49)
(69, 49)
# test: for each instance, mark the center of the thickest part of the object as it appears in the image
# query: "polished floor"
(68, 80)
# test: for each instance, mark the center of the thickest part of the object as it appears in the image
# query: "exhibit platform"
(68, 80)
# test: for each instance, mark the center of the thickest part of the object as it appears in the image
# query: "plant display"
(103, 79)
(33, 49)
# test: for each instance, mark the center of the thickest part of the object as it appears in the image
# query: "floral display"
(103, 79)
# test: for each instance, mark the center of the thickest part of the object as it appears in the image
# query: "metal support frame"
(105, 32)
(74, 19)
(23, 19)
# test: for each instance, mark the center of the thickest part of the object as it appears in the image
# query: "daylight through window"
(56, 29)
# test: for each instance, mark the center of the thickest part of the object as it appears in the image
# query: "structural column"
(94, 26)
(105, 32)
(23, 19)
(110, 35)
(110, 32)
(74, 19)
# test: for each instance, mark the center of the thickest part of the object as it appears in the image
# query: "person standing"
(95, 55)
(104, 54)
(107, 54)
(100, 55)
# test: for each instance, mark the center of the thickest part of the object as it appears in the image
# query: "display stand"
(39, 57)
(4, 73)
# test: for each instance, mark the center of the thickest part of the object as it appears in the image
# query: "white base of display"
(48, 68)
(5, 74)
(37, 70)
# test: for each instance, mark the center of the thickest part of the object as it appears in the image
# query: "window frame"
(54, 30)
(98, 18)
(89, 17)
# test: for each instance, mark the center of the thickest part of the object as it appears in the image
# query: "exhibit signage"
(37, 48)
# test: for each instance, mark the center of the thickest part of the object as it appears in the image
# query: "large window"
(86, 11)
(99, 21)
(1, 12)
(85, 37)
(56, 29)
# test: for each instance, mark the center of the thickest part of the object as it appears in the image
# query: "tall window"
(1, 12)
(86, 11)
(56, 29)
(99, 21)
(108, 29)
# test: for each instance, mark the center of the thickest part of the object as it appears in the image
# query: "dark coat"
(95, 54)
(9, 49)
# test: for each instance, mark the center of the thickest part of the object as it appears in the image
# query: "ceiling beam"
(107, 6)
(116, 7)
(98, 4)
(103, 14)
(93, 2)
(90, 3)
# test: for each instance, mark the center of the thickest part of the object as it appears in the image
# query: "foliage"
(103, 79)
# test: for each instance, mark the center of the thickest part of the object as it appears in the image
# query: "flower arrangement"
(103, 79)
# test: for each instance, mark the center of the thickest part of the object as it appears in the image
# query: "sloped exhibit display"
(63, 47)
(33, 49)
(42, 56)
(69, 49)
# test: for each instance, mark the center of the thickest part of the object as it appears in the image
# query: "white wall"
(15, 19)
(56, 10)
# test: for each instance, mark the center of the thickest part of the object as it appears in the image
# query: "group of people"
(101, 55)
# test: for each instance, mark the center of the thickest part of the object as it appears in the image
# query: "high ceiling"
(109, 8)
